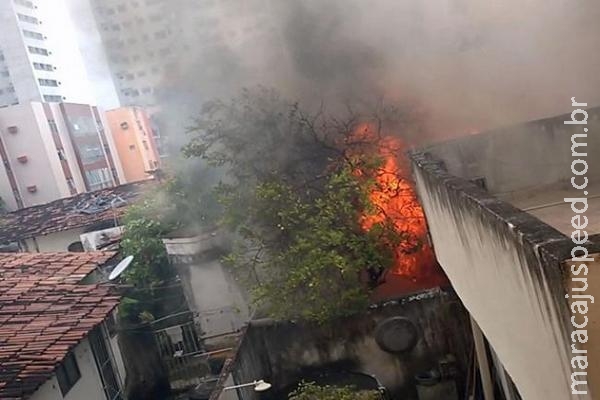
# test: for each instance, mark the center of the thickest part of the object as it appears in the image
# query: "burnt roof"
(45, 311)
(82, 210)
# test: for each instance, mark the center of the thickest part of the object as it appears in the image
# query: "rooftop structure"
(501, 230)
(63, 221)
(46, 314)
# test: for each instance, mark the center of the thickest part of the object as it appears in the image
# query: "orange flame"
(395, 200)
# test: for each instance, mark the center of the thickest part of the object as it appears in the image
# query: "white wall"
(217, 298)
(507, 294)
(210, 288)
(58, 241)
(88, 387)
(31, 140)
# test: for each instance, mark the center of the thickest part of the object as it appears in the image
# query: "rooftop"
(44, 313)
(529, 166)
(82, 210)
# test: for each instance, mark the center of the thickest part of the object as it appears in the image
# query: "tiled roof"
(70, 213)
(44, 312)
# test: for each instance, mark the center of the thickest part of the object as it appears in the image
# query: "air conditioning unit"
(22, 159)
(32, 189)
(124, 125)
(12, 129)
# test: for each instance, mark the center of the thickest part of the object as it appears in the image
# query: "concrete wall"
(209, 287)
(281, 353)
(502, 265)
(521, 157)
(88, 387)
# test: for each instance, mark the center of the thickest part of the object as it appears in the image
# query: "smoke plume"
(468, 65)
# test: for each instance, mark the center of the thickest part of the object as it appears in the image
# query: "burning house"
(500, 227)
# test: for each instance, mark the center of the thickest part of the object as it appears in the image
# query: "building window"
(53, 98)
(5, 73)
(102, 356)
(90, 153)
(98, 178)
(48, 82)
(53, 127)
(25, 3)
(38, 50)
(68, 373)
(43, 67)
(28, 18)
(33, 35)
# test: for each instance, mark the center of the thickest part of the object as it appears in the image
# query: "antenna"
(120, 268)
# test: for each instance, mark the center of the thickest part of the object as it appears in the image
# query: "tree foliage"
(144, 228)
(311, 391)
(296, 189)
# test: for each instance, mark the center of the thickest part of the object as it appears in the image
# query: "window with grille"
(68, 374)
(102, 356)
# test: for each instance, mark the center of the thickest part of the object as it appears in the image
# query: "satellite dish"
(122, 266)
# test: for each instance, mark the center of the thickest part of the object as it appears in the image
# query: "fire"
(395, 199)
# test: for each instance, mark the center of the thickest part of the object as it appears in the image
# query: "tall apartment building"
(138, 38)
(41, 58)
(149, 43)
(135, 143)
(50, 151)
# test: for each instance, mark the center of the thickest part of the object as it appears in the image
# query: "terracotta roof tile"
(44, 312)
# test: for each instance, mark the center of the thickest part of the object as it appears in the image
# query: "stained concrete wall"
(592, 274)
(521, 157)
(502, 264)
(280, 352)
(210, 287)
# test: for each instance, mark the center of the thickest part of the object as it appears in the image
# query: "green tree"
(296, 188)
(311, 391)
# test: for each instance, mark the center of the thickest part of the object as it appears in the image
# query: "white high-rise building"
(42, 57)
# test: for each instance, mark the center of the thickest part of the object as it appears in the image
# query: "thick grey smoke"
(468, 65)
